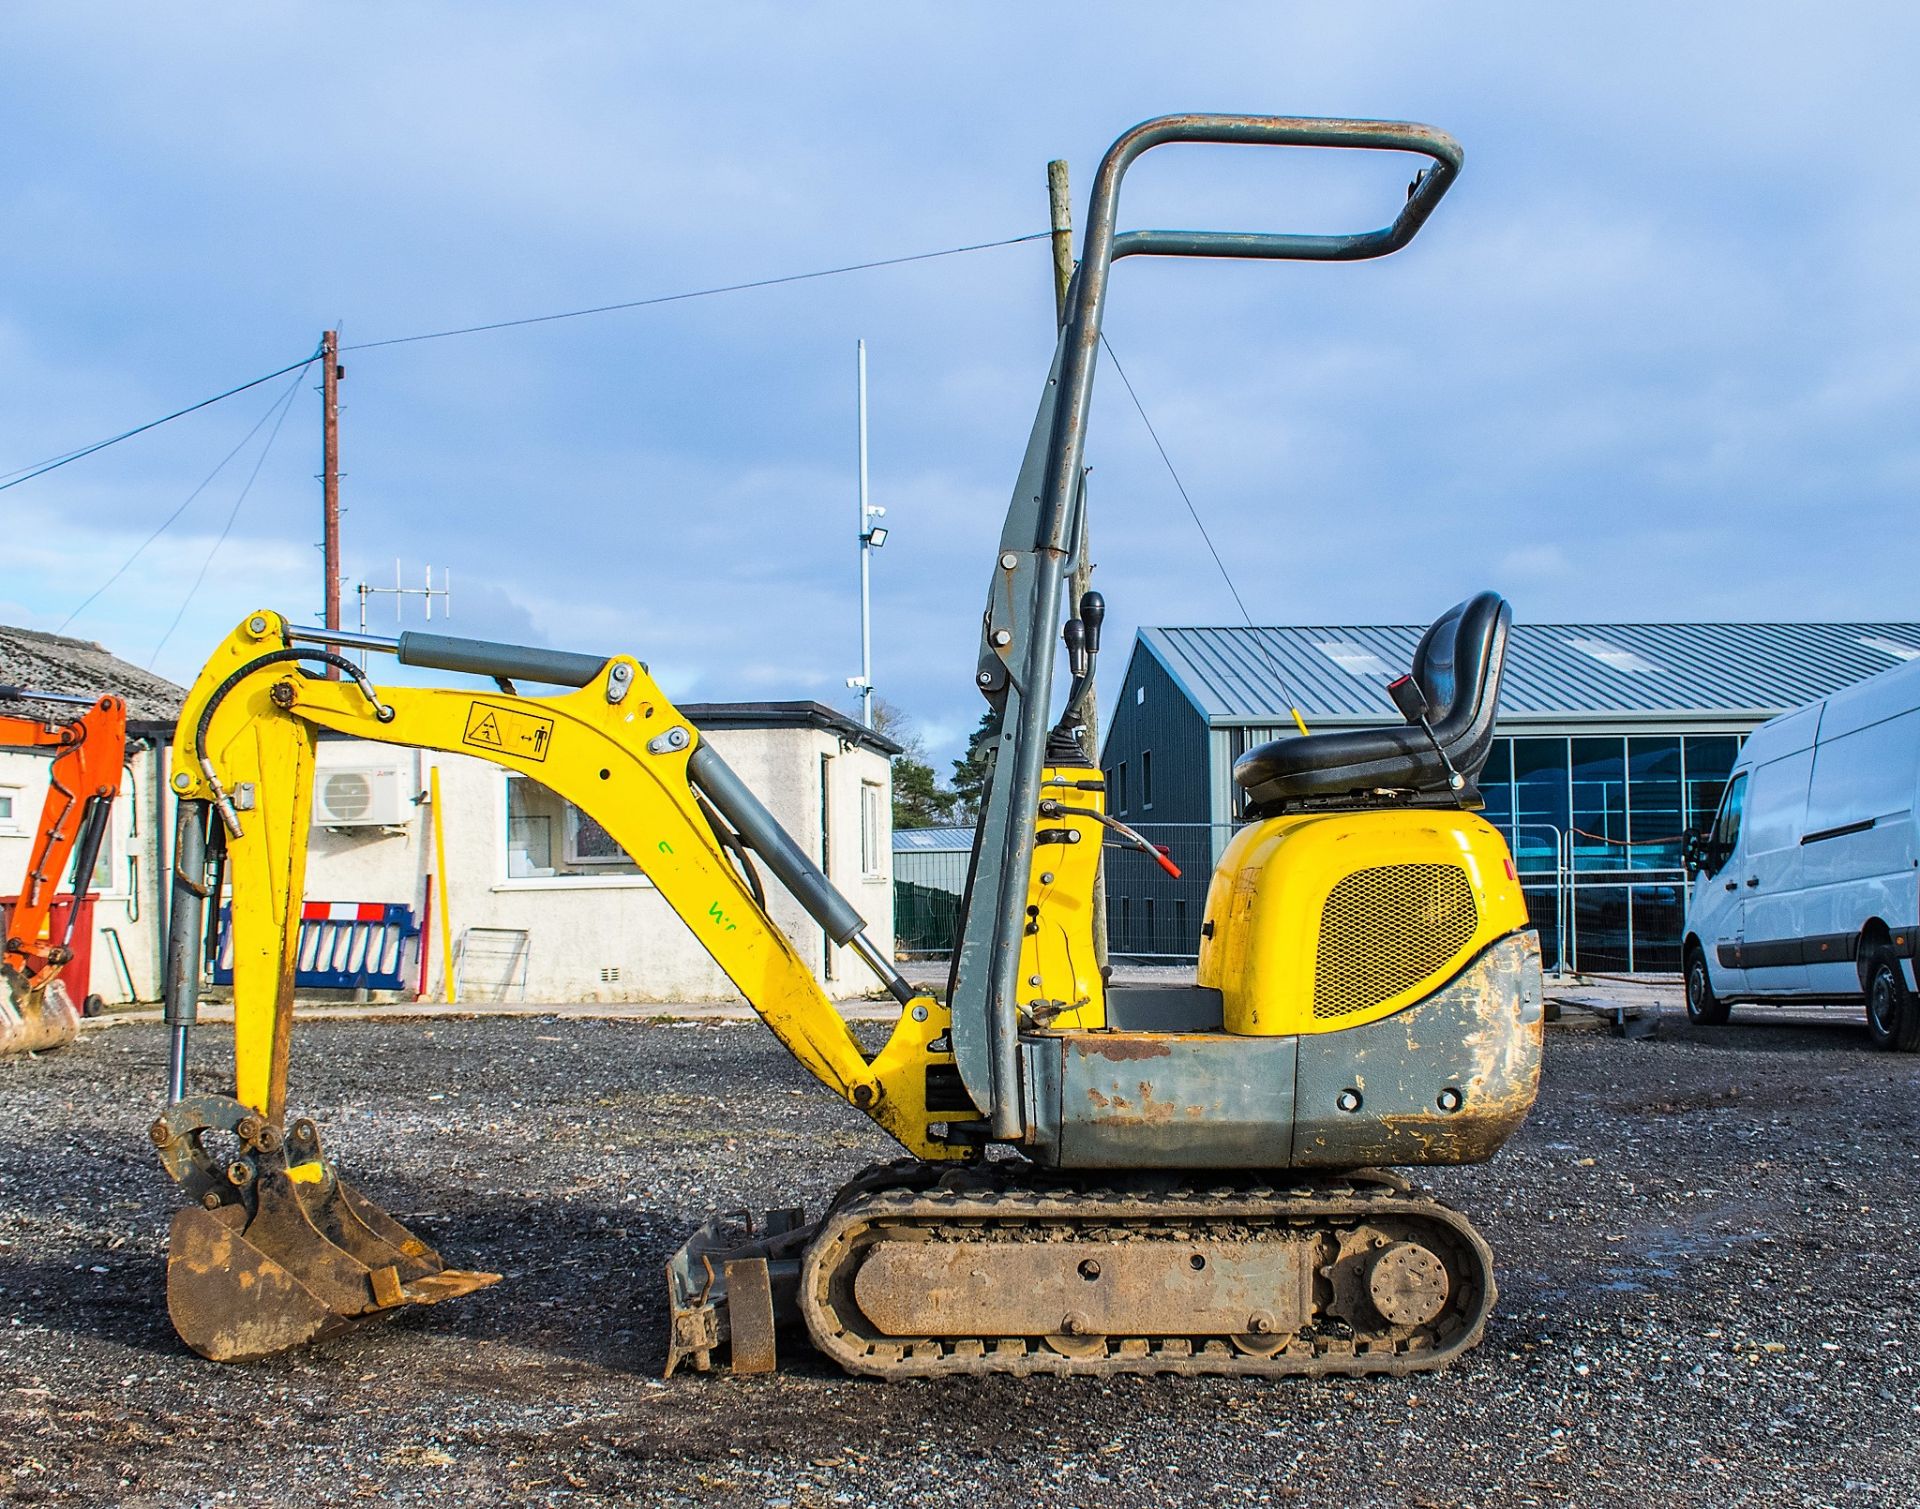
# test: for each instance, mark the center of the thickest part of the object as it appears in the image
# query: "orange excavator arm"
(89, 753)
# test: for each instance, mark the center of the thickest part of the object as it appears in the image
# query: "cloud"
(1654, 340)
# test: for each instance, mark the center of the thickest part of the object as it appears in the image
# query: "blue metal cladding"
(1241, 675)
(344, 945)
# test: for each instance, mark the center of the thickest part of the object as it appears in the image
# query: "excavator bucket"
(277, 1249)
(34, 1018)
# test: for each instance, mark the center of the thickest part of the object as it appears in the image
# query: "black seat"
(1457, 665)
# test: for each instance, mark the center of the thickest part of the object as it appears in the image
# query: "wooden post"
(330, 479)
(1060, 209)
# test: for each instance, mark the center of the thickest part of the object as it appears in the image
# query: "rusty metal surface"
(1446, 1081)
(750, 1314)
(277, 1250)
(35, 1018)
(1357, 1248)
(1160, 1100)
(1093, 1288)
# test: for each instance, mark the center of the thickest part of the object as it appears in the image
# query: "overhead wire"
(286, 404)
(1225, 575)
(696, 293)
(187, 502)
(54, 463)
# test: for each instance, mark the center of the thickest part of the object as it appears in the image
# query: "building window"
(547, 836)
(1120, 789)
(873, 830)
(1146, 778)
(9, 797)
(1139, 696)
(1153, 943)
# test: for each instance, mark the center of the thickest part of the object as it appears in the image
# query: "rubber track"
(1008, 1207)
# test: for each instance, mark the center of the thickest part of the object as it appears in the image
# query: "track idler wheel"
(277, 1249)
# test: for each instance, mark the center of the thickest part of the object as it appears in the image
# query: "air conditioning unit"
(368, 797)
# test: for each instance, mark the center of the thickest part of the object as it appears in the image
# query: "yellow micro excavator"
(1102, 1179)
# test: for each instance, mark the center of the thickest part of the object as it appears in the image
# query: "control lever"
(1075, 635)
(1412, 702)
(1093, 612)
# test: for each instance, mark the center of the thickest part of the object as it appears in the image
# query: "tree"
(969, 781)
(918, 801)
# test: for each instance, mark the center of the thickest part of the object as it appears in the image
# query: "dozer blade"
(731, 1289)
(36, 1018)
(280, 1250)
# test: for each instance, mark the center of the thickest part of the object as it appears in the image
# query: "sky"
(1657, 355)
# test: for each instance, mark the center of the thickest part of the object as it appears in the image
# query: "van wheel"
(1893, 1015)
(1704, 1008)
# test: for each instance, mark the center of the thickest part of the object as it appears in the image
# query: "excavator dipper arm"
(89, 753)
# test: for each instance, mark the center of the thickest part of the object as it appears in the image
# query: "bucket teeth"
(34, 1018)
(274, 1257)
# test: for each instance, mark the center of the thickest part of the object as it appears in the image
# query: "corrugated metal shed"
(933, 840)
(1337, 672)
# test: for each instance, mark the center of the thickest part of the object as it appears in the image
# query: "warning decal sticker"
(508, 730)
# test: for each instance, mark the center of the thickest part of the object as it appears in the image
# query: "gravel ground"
(1705, 1243)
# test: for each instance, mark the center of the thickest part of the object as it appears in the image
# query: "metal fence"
(1595, 912)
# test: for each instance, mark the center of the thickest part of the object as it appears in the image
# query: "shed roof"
(789, 715)
(1339, 671)
(81, 668)
(949, 840)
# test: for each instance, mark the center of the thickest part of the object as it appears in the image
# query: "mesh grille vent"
(1385, 930)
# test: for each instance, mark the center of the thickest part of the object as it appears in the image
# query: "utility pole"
(1060, 207)
(872, 536)
(330, 479)
(1060, 213)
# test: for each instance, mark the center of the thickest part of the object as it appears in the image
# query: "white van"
(1807, 885)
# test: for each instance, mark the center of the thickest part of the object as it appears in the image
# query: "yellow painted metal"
(446, 896)
(1268, 896)
(1060, 984)
(587, 748)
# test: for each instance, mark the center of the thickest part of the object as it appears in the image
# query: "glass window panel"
(1658, 919)
(1543, 912)
(1654, 820)
(1602, 926)
(1496, 785)
(1599, 804)
(547, 836)
(1710, 760)
(1539, 800)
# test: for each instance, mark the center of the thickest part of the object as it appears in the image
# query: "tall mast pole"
(330, 478)
(866, 552)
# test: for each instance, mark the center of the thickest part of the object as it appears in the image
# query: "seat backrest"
(1459, 663)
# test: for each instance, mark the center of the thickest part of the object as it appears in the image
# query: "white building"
(542, 906)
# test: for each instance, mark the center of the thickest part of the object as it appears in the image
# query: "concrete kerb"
(882, 1010)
